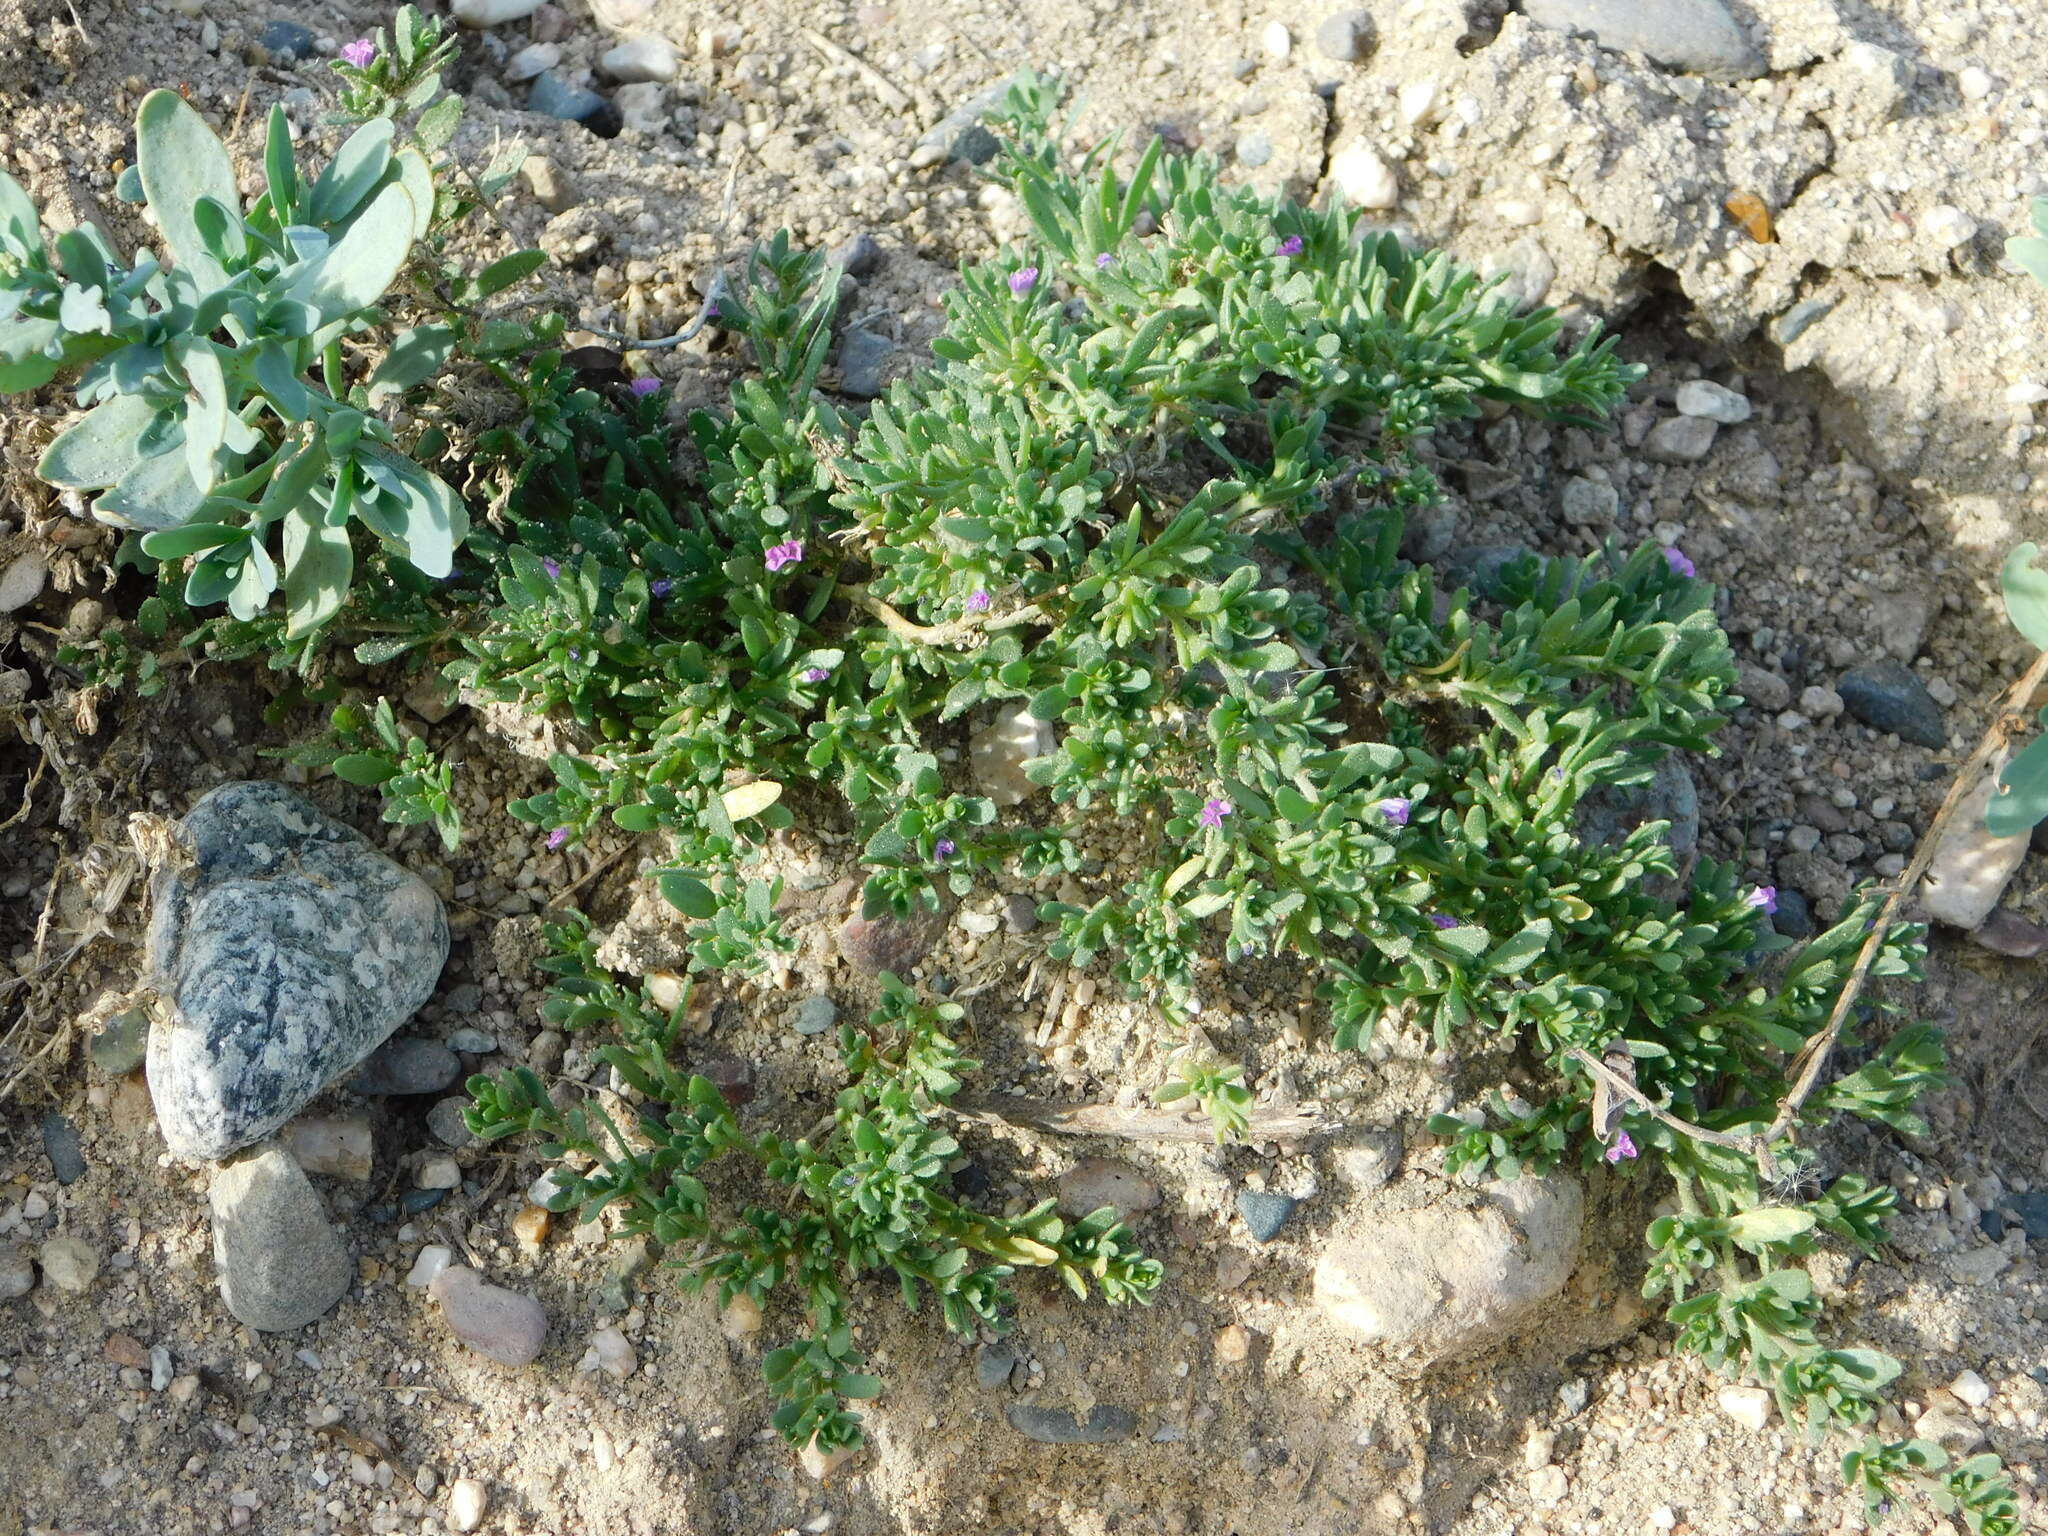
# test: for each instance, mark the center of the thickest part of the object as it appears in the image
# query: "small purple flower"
(711, 309)
(575, 654)
(1214, 811)
(551, 565)
(360, 52)
(661, 586)
(1022, 280)
(978, 600)
(1291, 246)
(1395, 809)
(788, 552)
(1675, 558)
(1764, 898)
(944, 848)
(1439, 920)
(816, 674)
(1622, 1148)
(645, 387)
(558, 837)
(1104, 260)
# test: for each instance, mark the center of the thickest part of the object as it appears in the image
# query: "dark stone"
(1886, 696)
(732, 1076)
(1794, 917)
(2032, 1211)
(859, 256)
(1056, 1426)
(555, 97)
(873, 945)
(974, 145)
(1792, 324)
(1264, 1212)
(285, 953)
(970, 1181)
(1609, 813)
(815, 1015)
(2007, 933)
(1992, 1224)
(121, 1046)
(286, 40)
(992, 1364)
(413, 1201)
(445, 1121)
(863, 361)
(60, 1145)
(408, 1066)
(1020, 912)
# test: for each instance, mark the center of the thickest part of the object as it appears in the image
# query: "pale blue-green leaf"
(417, 177)
(2021, 802)
(318, 563)
(157, 493)
(437, 125)
(416, 355)
(307, 242)
(220, 227)
(278, 378)
(128, 185)
(2031, 253)
(355, 272)
(83, 311)
(356, 167)
(255, 583)
(25, 362)
(430, 521)
(100, 448)
(182, 161)
(18, 221)
(279, 168)
(206, 411)
(2025, 588)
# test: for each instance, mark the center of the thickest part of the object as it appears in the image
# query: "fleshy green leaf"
(356, 168)
(101, 447)
(354, 273)
(181, 161)
(2024, 586)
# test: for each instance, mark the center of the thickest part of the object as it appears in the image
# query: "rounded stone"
(498, 1324)
(280, 1262)
(1094, 1182)
(70, 1263)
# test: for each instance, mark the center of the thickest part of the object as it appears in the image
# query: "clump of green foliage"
(1153, 493)
(370, 748)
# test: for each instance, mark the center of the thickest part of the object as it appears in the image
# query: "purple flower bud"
(1441, 921)
(711, 309)
(661, 586)
(645, 387)
(1291, 246)
(1764, 898)
(1022, 280)
(1214, 811)
(816, 674)
(1622, 1148)
(1674, 558)
(360, 52)
(944, 848)
(1395, 809)
(1104, 260)
(558, 837)
(788, 552)
(978, 600)
(551, 565)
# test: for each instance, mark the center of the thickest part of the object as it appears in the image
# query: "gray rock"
(640, 59)
(1446, 1280)
(1264, 1212)
(992, 1363)
(70, 1264)
(864, 362)
(446, 1123)
(476, 1042)
(1900, 619)
(1680, 440)
(1793, 324)
(2031, 1210)
(1969, 869)
(1345, 38)
(642, 107)
(872, 945)
(281, 1263)
(1794, 917)
(1886, 696)
(21, 581)
(287, 40)
(60, 1145)
(1714, 402)
(1094, 1182)
(1253, 149)
(1590, 501)
(1020, 912)
(551, 95)
(288, 951)
(1055, 1426)
(1766, 690)
(498, 1324)
(999, 751)
(859, 256)
(411, 1065)
(1608, 814)
(973, 145)
(17, 1272)
(122, 1044)
(1698, 36)
(815, 1015)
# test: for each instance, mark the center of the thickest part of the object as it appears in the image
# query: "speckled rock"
(1699, 36)
(872, 945)
(1094, 1182)
(1887, 696)
(17, 1271)
(1265, 1212)
(280, 1262)
(1104, 1425)
(285, 955)
(999, 751)
(1970, 869)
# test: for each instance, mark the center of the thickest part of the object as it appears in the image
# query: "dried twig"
(1628, 1090)
(1137, 1124)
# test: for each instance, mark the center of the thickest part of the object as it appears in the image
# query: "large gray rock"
(281, 1263)
(1695, 35)
(284, 955)
(1448, 1280)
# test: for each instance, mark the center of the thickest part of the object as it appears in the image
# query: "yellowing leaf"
(751, 799)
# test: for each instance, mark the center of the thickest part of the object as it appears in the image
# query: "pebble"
(1253, 149)
(471, 1041)
(334, 1146)
(1586, 500)
(432, 1260)
(1680, 439)
(1418, 103)
(1900, 620)
(1233, 1343)
(1345, 38)
(1766, 690)
(1094, 1182)
(1748, 1406)
(1265, 1212)
(159, 1368)
(1887, 696)
(1794, 917)
(992, 1365)
(410, 1066)
(279, 1261)
(820, 1464)
(1971, 1390)
(122, 1043)
(61, 1146)
(17, 1272)
(1698, 36)
(498, 1324)
(468, 1500)
(22, 581)
(732, 1076)
(815, 1015)
(491, 13)
(1949, 1428)
(859, 256)
(612, 1353)
(445, 1121)
(1714, 402)
(1020, 912)
(285, 954)
(863, 362)
(70, 1263)
(740, 1317)
(639, 59)
(641, 106)
(1547, 1485)
(1277, 40)
(532, 60)
(1364, 179)
(1001, 749)
(1974, 82)
(1948, 226)
(439, 1173)
(1104, 1425)
(532, 1225)
(1820, 702)
(890, 943)
(554, 97)
(287, 40)
(550, 188)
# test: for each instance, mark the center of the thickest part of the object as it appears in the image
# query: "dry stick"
(1814, 1056)
(1628, 1090)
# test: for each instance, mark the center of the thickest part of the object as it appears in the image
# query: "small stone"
(1665, 1518)
(498, 1324)
(890, 943)
(334, 1146)
(741, 1317)
(1094, 1182)
(2031, 1209)
(815, 1015)
(61, 1147)
(858, 257)
(445, 1121)
(409, 1066)
(732, 1076)
(439, 1173)
(183, 1389)
(992, 1365)
(1000, 751)
(1766, 690)
(1948, 226)
(159, 1368)
(468, 1499)
(2003, 932)
(1364, 179)
(638, 59)
(864, 359)
(492, 13)
(1888, 697)
(287, 41)
(471, 1041)
(1540, 1449)
(550, 188)
(1900, 620)
(22, 581)
(1748, 1406)
(1020, 913)
(279, 1260)
(1418, 103)
(1698, 36)
(1954, 1431)
(1820, 702)
(1345, 38)
(125, 1350)
(1680, 440)
(1104, 1425)
(532, 1225)
(1971, 1390)
(612, 1353)
(122, 1043)
(432, 1260)
(1547, 1485)
(1974, 83)
(1233, 1343)
(17, 1272)
(69, 1263)
(666, 990)
(1586, 500)
(1371, 1162)
(530, 61)
(1795, 322)
(1794, 917)
(1573, 1396)
(552, 96)
(643, 107)
(820, 1464)
(1277, 40)
(1713, 402)
(1265, 1212)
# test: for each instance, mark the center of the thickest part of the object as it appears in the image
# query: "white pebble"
(532, 60)
(640, 59)
(1278, 40)
(1974, 83)
(1948, 226)
(1419, 102)
(2026, 392)
(1365, 180)
(547, 1186)
(1748, 1406)
(432, 1260)
(492, 13)
(467, 1501)
(611, 1352)
(1664, 1517)
(1715, 402)
(1971, 1389)
(1518, 212)
(439, 1173)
